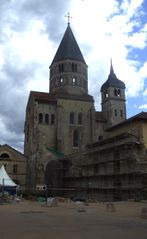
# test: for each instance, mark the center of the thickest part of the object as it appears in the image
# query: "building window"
(72, 116)
(4, 155)
(117, 92)
(40, 120)
(121, 113)
(74, 67)
(100, 137)
(15, 168)
(74, 81)
(106, 94)
(46, 118)
(76, 138)
(61, 68)
(61, 81)
(115, 112)
(52, 118)
(80, 118)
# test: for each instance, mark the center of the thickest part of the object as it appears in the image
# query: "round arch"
(53, 178)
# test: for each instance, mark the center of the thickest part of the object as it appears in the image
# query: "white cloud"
(39, 82)
(6, 133)
(108, 29)
(143, 71)
(132, 7)
(1, 56)
(30, 45)
(138, 40)
(143, 106)
(145, 93)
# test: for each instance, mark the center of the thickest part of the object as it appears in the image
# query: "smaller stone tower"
(113, 99)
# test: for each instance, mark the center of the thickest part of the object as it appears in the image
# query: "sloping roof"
(113, 81)
(5, 180)
(68, 48)
(141, 116)
(123, 138)
(43, 96)
(6, 146)
(54, 96)
(84, 97)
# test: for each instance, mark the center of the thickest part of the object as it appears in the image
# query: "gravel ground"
(34, 220)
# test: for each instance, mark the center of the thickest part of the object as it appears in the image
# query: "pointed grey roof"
(113, 81)
(68, 48)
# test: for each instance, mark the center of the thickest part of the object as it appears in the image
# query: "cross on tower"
(68, 17)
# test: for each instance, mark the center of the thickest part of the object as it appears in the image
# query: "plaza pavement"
(68, 220)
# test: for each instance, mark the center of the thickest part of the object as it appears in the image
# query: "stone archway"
(53, 178)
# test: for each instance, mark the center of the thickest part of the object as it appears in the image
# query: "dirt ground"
(34, 220)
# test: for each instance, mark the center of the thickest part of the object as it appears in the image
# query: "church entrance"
(53, 178)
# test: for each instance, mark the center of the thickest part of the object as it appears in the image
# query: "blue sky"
(30, 33)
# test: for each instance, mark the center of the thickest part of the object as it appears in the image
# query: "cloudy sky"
(30, 33)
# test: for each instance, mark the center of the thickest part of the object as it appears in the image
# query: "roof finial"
(111, 67)
(68, 17)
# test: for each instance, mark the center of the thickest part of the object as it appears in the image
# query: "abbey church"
(75, 150)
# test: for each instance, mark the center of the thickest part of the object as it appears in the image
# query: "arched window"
(80, 118)
(100, 137)
(74, 67)
(74, 81)
(72, 118)
(117, 92)
(52, 119)
(4, 155)
(76, 138)
(106, 94)
(115, 112)
(46, 118)
(40, 120)
(61, 81)
(61, 68)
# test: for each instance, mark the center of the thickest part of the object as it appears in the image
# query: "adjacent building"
(15, 165)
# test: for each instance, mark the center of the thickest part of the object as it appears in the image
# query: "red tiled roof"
(52, 97)
(42, 96)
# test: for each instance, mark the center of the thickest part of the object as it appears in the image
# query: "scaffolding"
(108, 172)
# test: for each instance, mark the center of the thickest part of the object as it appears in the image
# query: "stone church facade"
(67, 140)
